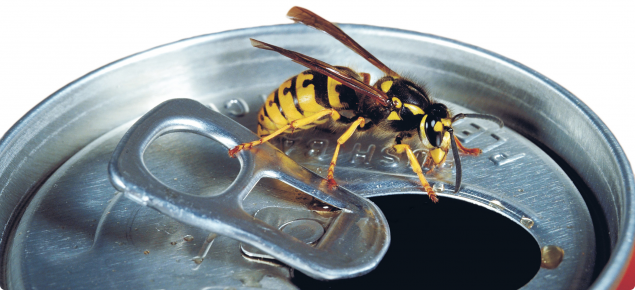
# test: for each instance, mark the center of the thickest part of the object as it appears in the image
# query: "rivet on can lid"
(306, 230)
(237, 107)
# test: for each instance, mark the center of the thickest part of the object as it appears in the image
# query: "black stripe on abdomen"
(277, 101)
(320, 83)
(294, 94)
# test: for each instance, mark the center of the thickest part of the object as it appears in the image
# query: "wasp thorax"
(408, 99)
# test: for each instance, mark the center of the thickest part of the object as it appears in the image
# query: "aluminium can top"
(531, 104)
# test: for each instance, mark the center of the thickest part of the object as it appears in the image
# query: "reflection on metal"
(359, 222)
(502, 158)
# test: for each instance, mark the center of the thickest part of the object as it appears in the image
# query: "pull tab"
(352, 245)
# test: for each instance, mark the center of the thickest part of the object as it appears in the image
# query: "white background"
(587, 47)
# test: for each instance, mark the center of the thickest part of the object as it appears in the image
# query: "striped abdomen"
(302, 96)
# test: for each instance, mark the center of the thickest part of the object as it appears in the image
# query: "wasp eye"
(434, 131)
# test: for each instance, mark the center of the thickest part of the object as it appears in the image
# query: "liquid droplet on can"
(497, 205)
(527, 222)
(197, 260)
(438, 187)
(551, 256)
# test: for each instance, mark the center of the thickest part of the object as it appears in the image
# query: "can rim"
(624, 248)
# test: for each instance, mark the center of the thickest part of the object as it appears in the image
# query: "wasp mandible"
(339, 98)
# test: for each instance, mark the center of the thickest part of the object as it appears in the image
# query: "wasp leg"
(349, 132)
(465, 150)
(400, 148)
(430, 163)
(293, 125)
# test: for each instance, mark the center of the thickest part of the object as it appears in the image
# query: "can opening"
(448, 245)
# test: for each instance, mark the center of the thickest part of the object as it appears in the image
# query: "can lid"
(78, 231)
(129, 238)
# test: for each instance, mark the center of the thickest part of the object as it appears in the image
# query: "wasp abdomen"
(302, 96)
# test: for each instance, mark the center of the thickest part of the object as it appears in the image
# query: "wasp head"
(433, 131)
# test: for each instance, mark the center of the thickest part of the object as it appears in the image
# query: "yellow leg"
(349, 132)
(293, 125)
(400, 148)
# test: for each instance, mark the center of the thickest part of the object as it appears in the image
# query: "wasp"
(341, 99)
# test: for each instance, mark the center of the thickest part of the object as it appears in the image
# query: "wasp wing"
(328, 70)
(308, 18)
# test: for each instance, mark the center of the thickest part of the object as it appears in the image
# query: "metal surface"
(356, 239)
(59, 210)
(496, 185)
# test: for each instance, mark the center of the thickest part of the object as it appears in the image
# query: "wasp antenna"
(457, 160)
(492, 118)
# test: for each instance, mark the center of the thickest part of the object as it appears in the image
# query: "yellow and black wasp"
(393, 105)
